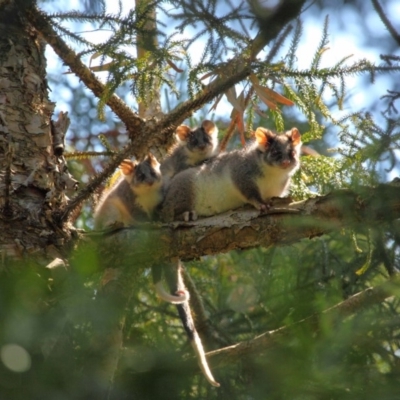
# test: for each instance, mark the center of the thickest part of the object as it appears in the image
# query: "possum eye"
(140, 176)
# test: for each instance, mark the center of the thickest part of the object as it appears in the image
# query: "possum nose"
(285, 163)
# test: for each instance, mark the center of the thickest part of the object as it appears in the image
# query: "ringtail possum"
(195, 146)
(249, 176)
(134, 197)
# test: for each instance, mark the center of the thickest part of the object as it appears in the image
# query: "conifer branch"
(238, 68)
(83, 155)
(157, 133)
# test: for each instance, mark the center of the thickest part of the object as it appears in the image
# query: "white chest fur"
(216, 194)
(274, 182)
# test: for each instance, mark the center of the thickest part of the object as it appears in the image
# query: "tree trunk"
(32, 170)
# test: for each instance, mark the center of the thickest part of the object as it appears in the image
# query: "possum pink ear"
(209, 127)
(127, 167)
(183, 132)
(295, 136)
(263, 137)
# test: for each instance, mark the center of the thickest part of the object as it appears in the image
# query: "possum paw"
(189, 216)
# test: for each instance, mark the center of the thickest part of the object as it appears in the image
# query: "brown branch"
(285, 223)
(240, 67)
(269, 339)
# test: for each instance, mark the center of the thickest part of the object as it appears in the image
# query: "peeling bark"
(32, 177)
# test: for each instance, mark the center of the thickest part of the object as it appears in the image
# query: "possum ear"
(153, 161)
(183, 131)
(128, 167)
(209, 127)
(264, 137)
(294, 135)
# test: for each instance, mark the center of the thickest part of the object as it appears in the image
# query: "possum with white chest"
(134, 197)
(250, 176)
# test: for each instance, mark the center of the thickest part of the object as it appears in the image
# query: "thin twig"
(385, 20)
(269, 339)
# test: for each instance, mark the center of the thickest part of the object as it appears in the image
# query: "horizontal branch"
(261, 343)
(286, 222)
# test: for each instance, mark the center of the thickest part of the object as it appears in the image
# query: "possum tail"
(174, 278)
(179, 297)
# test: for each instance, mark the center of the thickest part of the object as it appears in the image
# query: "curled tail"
(175, 281)
(180, 296)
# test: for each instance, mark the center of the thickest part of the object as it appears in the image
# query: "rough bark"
(32, 172)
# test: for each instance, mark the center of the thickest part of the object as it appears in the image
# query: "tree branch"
(43, 25)
(285, 223)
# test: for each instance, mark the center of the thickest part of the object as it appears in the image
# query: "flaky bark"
(32, 175)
